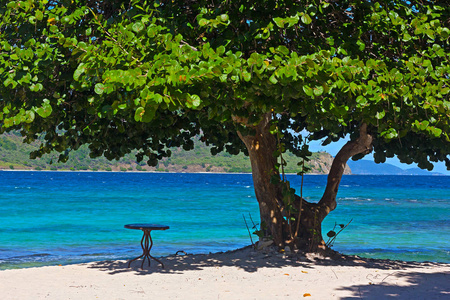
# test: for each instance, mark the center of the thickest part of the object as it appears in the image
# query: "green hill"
(15, 155)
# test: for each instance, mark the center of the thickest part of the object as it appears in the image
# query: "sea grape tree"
(145, 76)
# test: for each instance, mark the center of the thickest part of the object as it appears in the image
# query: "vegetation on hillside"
(16, 155)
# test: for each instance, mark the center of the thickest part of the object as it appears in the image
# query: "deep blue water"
(51, 218)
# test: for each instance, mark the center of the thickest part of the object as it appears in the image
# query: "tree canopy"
(145, 76)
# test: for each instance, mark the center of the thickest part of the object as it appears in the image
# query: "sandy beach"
(240, 274)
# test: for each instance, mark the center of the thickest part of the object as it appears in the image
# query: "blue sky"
(333, 149)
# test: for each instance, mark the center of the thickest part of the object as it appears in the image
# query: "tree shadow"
(370, 263)
(246, 259)
(402, 285)
(250, 260)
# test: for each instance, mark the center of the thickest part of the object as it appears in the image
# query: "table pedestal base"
(146, 244)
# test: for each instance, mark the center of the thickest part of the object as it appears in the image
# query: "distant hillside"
(367, 167)
(15, 155)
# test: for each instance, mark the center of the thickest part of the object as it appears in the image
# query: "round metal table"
(146, 241)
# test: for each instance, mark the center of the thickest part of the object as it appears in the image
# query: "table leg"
(148, 253)
(146, 244)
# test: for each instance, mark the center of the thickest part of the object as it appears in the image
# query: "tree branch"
(363, 144)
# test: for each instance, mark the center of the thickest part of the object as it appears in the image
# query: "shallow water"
(70, 217)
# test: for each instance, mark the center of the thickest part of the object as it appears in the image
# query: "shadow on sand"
(251, 260)
(398, 283)
(246, 259)
(416, 285)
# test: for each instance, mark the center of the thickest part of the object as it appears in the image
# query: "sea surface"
(51, 218)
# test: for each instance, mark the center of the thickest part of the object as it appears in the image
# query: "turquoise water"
(49, 218)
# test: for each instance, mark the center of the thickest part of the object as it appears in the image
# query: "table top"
(147, 226)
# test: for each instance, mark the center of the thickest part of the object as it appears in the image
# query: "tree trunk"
(261, 147)
(307, 235)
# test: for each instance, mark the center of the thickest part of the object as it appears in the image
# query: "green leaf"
(146, 94)
(203, 22)
(361, 100)
(318, 90)
(390, 134)
(361, 45)
(45, 110)
(308, 90)
(247, 76)
(99, 88)
(80, 70)
(224, 17)
(29, 116)
(421, 125)
(195, 101)
(223, 77)
(39, 15)
(82, 45)
(283, 49)
(280, 22)
(380, 115)
(398, 77)
(138, 26)
(342, 51)
(435, 131)
(6, 46)
(8, 81)
(445, 33)
(406, 37)
(273, 79)
(310, 63)
(65, 20)
(306, 19)
(138, 114)
(36, 87)
(158, 99)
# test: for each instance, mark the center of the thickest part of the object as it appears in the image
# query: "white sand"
(242, 274)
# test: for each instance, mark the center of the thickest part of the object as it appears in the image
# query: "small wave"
(40, 254)
(95, 254)
(36, 255)
(359, 199)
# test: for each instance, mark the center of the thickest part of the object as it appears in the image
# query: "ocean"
(51, 218)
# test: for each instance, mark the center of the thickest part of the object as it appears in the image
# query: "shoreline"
(239, 274)
(223, 173)
(141, 172)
